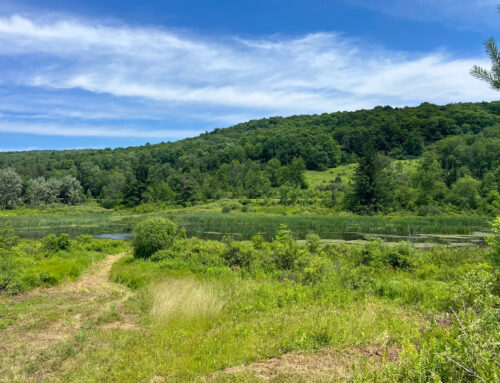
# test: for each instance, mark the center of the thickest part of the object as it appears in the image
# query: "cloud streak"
(459, 14)
(48, 129)
(167, 74)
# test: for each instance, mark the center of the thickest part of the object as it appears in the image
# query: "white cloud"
(161, 73)
(48, 129)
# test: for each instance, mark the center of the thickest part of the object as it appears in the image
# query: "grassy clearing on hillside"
(346, 172)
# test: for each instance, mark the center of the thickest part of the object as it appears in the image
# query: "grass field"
(206, 311)
(346, 172)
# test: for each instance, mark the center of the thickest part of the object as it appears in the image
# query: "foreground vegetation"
(26, 264)
(200, 310)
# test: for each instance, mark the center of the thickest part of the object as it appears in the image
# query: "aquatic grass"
(245, 226)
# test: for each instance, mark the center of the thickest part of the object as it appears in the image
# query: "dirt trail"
(96, 277)
(46, 322)
(332, 365)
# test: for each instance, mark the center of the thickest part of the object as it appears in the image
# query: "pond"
(478, 238)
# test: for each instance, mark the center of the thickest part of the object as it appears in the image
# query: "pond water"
(451, 240)
(123, 236)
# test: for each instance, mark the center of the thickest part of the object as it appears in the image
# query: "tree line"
(457, 147)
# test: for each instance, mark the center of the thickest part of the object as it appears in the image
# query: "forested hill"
(255, 158)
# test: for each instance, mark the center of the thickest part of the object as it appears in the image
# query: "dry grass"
(325, 365)
(186, 298)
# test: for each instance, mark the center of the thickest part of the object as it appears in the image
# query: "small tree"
(151, 235)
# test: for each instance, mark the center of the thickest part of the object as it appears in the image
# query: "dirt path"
(46, 326)
(320, 365)
(96, 278)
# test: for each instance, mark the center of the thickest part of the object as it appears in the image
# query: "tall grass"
(184, 298)
(245, 226)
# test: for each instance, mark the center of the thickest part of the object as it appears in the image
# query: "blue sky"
(119, 73)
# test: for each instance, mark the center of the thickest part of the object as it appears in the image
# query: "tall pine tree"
(373, 185)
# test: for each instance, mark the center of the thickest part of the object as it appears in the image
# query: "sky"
(96, 74)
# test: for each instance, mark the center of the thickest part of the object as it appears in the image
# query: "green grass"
(30, 263)
(202, 306)
(321, 178)
(346, 172)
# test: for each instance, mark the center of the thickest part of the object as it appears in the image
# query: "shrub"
(315, 269)
(494, 242)
(285, 249)
(235, 254)
(258, 241)
(63, 242)
(7, 238)
(51, 243)
(181, 234)
(400, 256)
(313, 242)
(151, 235)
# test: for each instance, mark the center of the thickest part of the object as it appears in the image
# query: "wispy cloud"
(456, 13)
(147, 73)
(48, 129)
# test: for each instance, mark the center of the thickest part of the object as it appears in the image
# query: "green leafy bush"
(52, 243)
(7, 238)
(151, 235)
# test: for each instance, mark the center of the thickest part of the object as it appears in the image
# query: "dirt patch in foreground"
(319, 365)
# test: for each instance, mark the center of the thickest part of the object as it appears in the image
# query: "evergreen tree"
(373, 191)
(492, 77)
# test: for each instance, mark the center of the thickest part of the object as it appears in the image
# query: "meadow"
(253, 311)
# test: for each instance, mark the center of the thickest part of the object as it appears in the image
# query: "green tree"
(429, 180)
(273, 171)
(115, 186)
(294, 173)
(465, 193)
(10, 188)
(159, 192)
(373, 186)
(71, 190)
(492, 76)
(42, 191)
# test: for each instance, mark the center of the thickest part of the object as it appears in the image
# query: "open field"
(346, 172)
(337, 313)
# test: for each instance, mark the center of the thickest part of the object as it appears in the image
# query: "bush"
(151, 235)
(400, 256)
(285, 249)
(51, 243)
(7, 238)
(63, 242)
(494, 242)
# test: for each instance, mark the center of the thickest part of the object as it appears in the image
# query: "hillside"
(269, 156)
